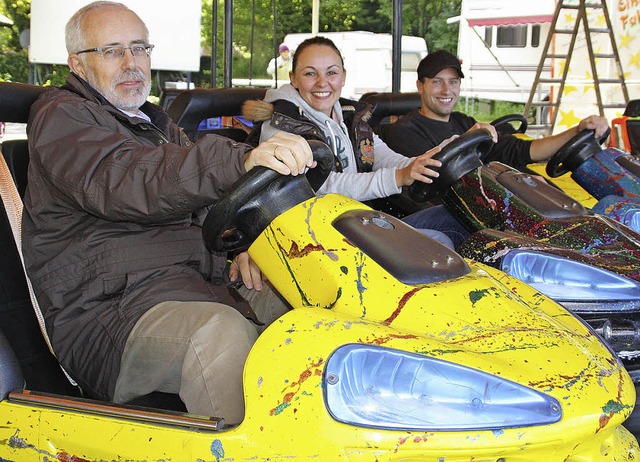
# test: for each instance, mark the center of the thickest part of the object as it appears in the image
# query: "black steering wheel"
(459, 157)
(574, 152)
(504, 127)
(259, 196)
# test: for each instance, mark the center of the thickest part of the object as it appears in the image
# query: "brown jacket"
(112, 223)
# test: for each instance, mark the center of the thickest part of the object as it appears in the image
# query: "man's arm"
(99, 165)
(543, 148)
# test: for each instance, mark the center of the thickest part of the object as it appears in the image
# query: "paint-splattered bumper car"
(610, 175)
(522, 225)
(396, 349)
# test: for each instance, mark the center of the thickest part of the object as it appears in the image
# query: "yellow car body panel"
(566, 183)
(484, 320)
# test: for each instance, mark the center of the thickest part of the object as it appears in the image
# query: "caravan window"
(535, 35)
(488, 36)
(512, 36)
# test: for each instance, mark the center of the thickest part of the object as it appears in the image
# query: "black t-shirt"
(415, 134)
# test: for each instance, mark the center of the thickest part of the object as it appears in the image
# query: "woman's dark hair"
(317, 40)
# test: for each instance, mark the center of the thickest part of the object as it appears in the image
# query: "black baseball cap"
(436, 61)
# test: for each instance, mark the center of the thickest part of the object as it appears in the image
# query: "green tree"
(18, 11)
(14, 60)
(424, 18)
(428, 19)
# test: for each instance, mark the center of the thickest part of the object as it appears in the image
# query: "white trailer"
(501, 43)
(499, 46)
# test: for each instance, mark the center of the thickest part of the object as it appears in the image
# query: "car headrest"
(16, 100)
(390, 104)
(191, 107)
(633, 108)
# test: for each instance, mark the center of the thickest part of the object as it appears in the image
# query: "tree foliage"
(258, 29)
(251, 53)
(18, 12)
(14, 59)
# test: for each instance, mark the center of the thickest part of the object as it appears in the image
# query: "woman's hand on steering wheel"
(286, 153)
(419, 170)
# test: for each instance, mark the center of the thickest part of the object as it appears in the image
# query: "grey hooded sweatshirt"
(381, 182)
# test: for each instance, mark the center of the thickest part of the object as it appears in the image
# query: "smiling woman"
(365, 167)
(319, 75)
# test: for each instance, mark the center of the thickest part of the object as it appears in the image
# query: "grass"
(486, 110)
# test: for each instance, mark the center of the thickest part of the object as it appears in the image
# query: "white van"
(368, 60)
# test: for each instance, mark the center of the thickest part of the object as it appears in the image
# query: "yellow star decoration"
(634, 60)
(568, 119)
(561, 63)
(586, 88)
(569, 89)
(569, 19)
(625, 40)
(600, 21)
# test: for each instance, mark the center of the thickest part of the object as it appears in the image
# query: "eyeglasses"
(115, 52)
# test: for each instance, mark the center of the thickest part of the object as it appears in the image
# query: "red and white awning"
(509, 21)
(507, 12)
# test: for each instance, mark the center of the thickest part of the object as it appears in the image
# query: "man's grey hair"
(74, 34)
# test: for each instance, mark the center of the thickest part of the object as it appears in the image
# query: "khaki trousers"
(197, 350)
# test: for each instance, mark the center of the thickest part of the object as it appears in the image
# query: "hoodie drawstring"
(334, 143)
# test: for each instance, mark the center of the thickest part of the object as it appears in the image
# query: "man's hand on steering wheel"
(594, 122)
(286, 153)
(243, 266)
(490, 128)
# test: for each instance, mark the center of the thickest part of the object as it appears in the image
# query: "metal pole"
(228, 42)
(315, 16)
(253, 25)
(276, 51)
(214, 42)
(396, 46)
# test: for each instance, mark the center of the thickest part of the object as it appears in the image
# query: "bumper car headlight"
(632, 219)
(567, 280)
(383, 388)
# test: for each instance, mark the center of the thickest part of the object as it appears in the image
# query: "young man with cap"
(439, 75)
(279, 67)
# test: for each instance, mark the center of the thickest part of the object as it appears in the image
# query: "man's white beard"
(129, 102)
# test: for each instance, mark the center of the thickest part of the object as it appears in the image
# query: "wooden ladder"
(537, 92)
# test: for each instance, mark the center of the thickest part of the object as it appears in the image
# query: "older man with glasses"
(133, 301)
